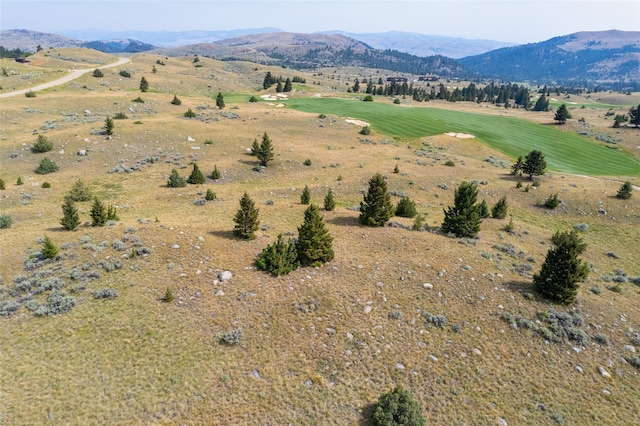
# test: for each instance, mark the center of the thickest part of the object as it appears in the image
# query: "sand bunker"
(276, 97)
(356, 122)
(461, 135)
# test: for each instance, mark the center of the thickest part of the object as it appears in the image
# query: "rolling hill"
(29, 41)
(296, 50)
(584, 57)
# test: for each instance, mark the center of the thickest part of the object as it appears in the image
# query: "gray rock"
(604, 373)
(630, 348)
(82, 152)
(400, 366)
(225, 275)
(219, 293)
(428, 286)
(175, 246)
(367, 309)
(578, 368)
(502, 422)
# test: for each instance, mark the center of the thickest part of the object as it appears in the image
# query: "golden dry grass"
(136, 359)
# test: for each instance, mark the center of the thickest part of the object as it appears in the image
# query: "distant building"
(22, 60)
(428, 78)
(397, 79)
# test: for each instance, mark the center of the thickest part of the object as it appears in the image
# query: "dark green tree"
(49, 249)
(315, 243)
(196, 177)
(144, 84)
(210, 195)
(542, 104)
(19, 181)
(189, 114)
(3, 186)
(70, 217)
(98, 73)
(112, 213)
(625, 191)
(463, 219)
(279, 87)
(562, 269)
(265, 153)
(329, 201)
(269, 80)
(175, 180)
(287, 85)
(534, 164)
(46, 166)
(499, 210)
(483, 209)
(376, 208)
(279, 258)
(98, 213)
(220, 100)
(246, 219)
(562, 114)
(108, 126)
(42, 144)
(215, 174)
(397, 408)
(255, 147)
(634, 116)
(406, 208)
(176, 100)
(80, 191)
(305, 197)
(516, 168)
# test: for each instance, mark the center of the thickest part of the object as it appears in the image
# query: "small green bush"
(397, 407)
(3, 185)
(80, 191)
(138, 100)
(406, 208)
(168, 296)
(624, 193)
(176, 100)
(120, 116)
(5, 221)
(450, 163)
(368, 98)
(365, 131)
(46, 185)
(20, 181)
(49, 249)
(307, 162)
(210, 195)
(552, 202)
(329, 201)
(30, 94)
(279, 258)
(215, 175)
(47, 166)
(125, 73)
(42, 144)
(175, 180)
(98, 73)
(253, 99)
(396, 101)
(196, 177)
(189, 114)
(499, 210)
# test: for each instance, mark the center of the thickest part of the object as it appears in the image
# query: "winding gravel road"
(67, 78)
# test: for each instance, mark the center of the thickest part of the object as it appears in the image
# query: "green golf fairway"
(563, 151)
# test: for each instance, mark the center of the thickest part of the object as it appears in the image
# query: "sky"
(515, 21)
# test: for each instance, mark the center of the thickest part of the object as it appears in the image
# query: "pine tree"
(315, 244)
(80, 191)
(215, 174)
(356, 86)
(42, 144)
(329, 201)
(112, 213)
(98, 213)
(265, 153)
(516, 168)
(269, 80)
(196, 177)
(210, 195)
(98, 73)
(175, 180)
(376, 208)
(406, 208)
(144, 85)
(246, 219)
(46, 166)
(483, 209)
(279, 258)
(534, 164)
(255, 148)
(562, 114)
(108, 126)
(279, 87)
(397, 407)
(624, 193)
(499, 210)
(49, 250)
(287, 85)
(305, 198)
(463, 219)
(220, 100)
(634, 116)
(70, 217)
(176, 100)
(20, 181)
(562, 270)
(542, 104)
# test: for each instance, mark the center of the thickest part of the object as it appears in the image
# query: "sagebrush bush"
(437, 320)
(105, 293)
(601, 339)
(57, 303)
(231, 337)
(5, 221)
(8, 307)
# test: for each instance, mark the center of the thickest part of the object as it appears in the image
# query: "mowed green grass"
(564, 152)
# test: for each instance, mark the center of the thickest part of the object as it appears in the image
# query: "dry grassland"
(320, 344)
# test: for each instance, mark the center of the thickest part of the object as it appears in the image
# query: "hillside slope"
(604, 56)
(29, 41)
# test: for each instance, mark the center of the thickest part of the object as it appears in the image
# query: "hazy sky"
(518, 21)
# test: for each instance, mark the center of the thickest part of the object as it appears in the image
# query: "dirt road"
(67, 78)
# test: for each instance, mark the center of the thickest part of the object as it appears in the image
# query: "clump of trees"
(534, 164)
(562, 269)
(464, 218)
(376, 208)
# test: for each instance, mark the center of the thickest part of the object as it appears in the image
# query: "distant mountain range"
(574, 59)
(28, 41)
(585, 58)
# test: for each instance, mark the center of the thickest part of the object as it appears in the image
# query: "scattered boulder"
(82, 152)
(225, 275)
(604, 373)
(428, 286)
